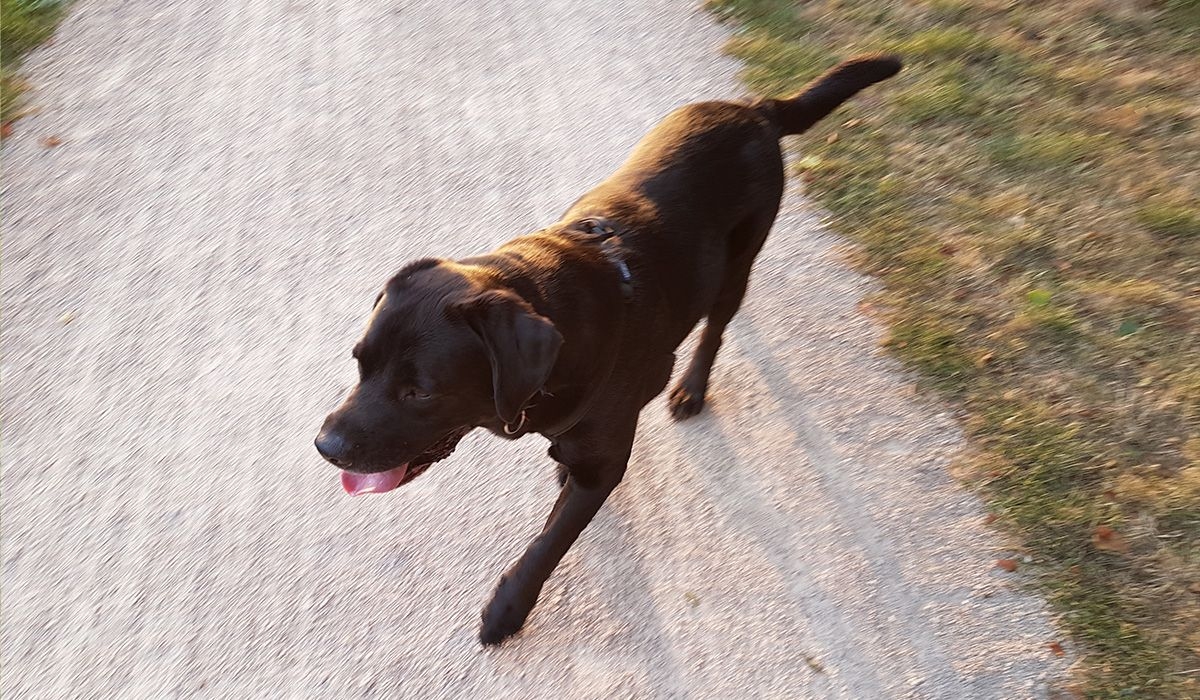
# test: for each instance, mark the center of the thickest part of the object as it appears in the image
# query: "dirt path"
(183, 279)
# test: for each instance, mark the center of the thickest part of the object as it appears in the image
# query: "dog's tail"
(823, 95)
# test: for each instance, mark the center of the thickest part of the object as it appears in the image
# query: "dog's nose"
(334, 448)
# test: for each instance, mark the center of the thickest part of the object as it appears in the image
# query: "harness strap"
(610, 243)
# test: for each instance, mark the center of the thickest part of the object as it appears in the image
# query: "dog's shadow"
(703, 554)
(597, 618)
(778, 477)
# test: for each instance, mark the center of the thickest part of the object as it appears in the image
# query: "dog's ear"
(521, 344)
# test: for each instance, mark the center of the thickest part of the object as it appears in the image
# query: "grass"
(1027, 191)
(23, 25)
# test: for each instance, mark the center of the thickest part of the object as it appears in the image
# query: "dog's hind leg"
(687, 396)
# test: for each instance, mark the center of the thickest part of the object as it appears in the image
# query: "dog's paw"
(685, 403)
(505, 614)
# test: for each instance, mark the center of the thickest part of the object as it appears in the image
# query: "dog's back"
(724, 151)
(700, 191)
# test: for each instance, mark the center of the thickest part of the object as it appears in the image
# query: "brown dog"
(570, 331)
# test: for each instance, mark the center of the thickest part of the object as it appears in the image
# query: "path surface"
(182, 281)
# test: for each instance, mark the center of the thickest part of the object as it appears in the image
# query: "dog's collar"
(609, 237)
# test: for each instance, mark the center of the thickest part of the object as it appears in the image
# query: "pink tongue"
(358, 484)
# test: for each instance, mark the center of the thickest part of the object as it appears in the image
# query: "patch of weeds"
(1183, 15)
(23, 25)
(1025, 189)
(946, 97)
(781, 17)
(1051, 320)
(1046, 149)
(1170, 220)
(786, 61)
(1107, 625)
(934, 347)
(953, 42)
(950, 10)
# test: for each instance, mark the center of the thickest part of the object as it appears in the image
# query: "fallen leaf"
(1127, 328)
(852, 123)
(1195, 588)
(832, 138)
(984, 359)
(809, 163)
(1107, 539)
(948, 250)
(1056, 648)
(991, 518)
(50, 141)
(1009, 565)
(6, 130)
(66, 318)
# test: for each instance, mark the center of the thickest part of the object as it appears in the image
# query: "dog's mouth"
(357, 484)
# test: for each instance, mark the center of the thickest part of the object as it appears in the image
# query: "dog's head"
(444, 352)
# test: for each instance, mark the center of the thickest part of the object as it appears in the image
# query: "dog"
(570, 331)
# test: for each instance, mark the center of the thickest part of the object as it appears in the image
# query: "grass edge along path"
(24, 24)
(1027, 191)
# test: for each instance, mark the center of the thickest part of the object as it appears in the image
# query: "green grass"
(1170, 220)
(23, 25)
(1026, 190)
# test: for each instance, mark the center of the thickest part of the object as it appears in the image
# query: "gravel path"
(182, 281)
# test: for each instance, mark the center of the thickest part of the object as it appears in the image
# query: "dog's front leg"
(519, 587)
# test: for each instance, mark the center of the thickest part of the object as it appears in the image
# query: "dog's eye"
(415, 394)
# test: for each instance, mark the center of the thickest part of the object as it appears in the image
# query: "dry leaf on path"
(1107, 539)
